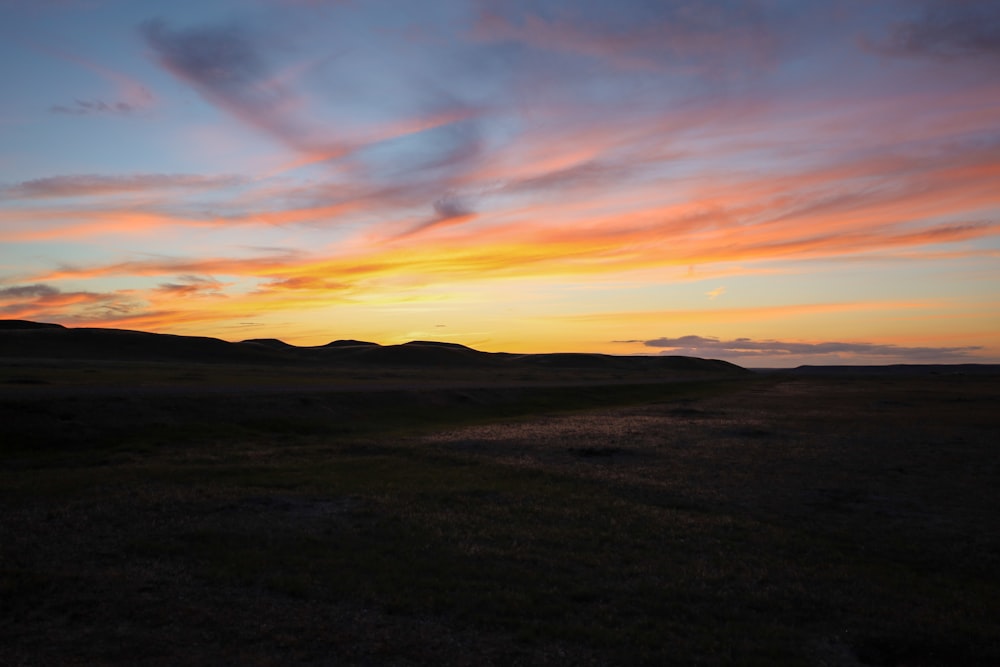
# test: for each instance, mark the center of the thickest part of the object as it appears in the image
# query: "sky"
(770, 182)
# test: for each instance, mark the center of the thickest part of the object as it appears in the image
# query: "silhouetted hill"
(125, 345)
(569, 360)
(32, 340)
(453, 346)
(25, 324)
(269, 342)
(576, 360)
(900, 370)
(349, 343)
(426, 354)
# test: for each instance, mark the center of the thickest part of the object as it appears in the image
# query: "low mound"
(6, 325)
(897, 370)
(569, 360)
(424, 354)
(125, 345)
(33, 340)
(697, 364)
(453, 346)
(269, 342)
(350, 343)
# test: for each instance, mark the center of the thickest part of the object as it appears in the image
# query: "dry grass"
(784, 521)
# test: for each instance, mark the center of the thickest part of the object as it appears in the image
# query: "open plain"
(164, 513)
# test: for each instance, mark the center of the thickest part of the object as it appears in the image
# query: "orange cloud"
(51, 224)
(752, 313)
(561, 192)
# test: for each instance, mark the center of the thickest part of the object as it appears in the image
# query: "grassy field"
(760, 521)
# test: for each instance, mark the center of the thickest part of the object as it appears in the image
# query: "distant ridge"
(897, 370)
(349, 343)
(57, 342)
(425, 353)
(454, 346)
(21, 339)
(7, 325)
(270, 342)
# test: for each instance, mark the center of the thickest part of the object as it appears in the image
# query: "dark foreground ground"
(776, 520)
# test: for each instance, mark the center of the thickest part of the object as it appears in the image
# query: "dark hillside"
(425, 354)
(574, 360)
(270, 342)
(25, 324)
(435, 343)
(898, 370)
(30, 340)
(124, 345)
(349, 343)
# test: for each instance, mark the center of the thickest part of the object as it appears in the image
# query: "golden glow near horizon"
(823, 187)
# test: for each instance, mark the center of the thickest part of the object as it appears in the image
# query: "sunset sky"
(770, 182)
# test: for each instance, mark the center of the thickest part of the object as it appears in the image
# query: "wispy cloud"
(186, 286)
(45, 302)
(948, 30)
(448, 210)
(77, 223)
(98, 185)
(270, 264)
(226, 65)
(130, 96)
(305, 283)
(88, 107)
(635, 34)
(464, 146)
(36, 291)
(749, 349)
(232, 66)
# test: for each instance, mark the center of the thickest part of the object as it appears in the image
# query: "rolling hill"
(23, 339)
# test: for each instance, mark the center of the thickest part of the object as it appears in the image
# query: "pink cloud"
(226, 66)
(694, 37)
(130, 97)
(97, 185)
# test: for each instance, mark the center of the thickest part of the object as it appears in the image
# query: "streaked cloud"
(49, 303)
(634, 34)
(192, 286)
(169, 266)
(707, 162)
(948, 30)
(28, 292)
(130, 96)
(746, 349)
(304, 283)
(226, 65)
(88, 107)
(448, 210)
(98, 185)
